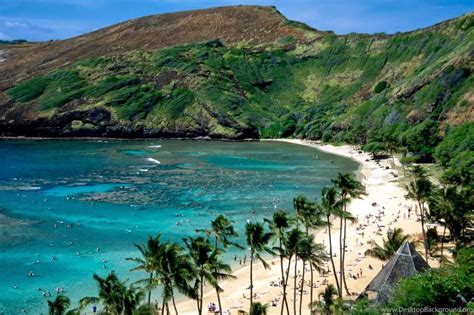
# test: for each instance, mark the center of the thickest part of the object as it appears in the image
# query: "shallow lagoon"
(85, 201)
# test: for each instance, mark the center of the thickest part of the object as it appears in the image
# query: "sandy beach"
(385, 194)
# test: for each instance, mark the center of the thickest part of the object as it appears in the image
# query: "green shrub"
(109, 84)
(375, 148)
(382, 85)
(175, 105)
(28, 90)
(422, 139)
(461, 169)
(458, 140)
(133, 102)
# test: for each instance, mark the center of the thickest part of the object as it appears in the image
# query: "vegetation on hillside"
(408, 90)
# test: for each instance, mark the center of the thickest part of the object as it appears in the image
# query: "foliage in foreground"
(448, 286)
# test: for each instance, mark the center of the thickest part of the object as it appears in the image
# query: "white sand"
(382, 187)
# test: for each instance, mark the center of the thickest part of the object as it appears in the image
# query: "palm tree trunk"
(341, 250)
(167, 309)
(200, 293)
(311, 280)
(295, 284)
(302, 288)
(287, 277)
(343, 266)
(149, 292)
(217, 288)
(284, 302)
(174, 305)
(442, 244)
(251, 278)
(425, 241)
(311, 289)
(330, 254)
(163, 307)
(219, 301)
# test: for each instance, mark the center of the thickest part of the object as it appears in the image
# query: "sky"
(38, 20)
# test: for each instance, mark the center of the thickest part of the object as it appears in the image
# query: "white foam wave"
(153, 160)
(154, 146)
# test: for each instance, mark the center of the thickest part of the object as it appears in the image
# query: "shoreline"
(103, 139)
(383, 189)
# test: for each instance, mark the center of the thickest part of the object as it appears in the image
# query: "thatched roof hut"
(405, 263)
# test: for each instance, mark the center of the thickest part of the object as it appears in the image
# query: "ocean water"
(83, 202)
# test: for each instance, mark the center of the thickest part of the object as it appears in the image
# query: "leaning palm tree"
(150, 252)
(175, 272)
(292, 245)
(291, 240)
(59, 305)
(420, 190)
(349, 188)
(220, 271)
(311, 215)
(111, 291)
(389, 246)
(257, 240)
(312, 253)
(279, 224)
(222, 229)
(258, 309)
(331, 206)
(207, 266)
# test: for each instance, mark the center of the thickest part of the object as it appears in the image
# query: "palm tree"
(132, 298)
(278, 226)
(349, 188)
(390, 245)
(311, 215)
(150, 252)
(417, 172)
(327, 299)
(257, 240)
(59, 306)
(313, 253)
(114, 296)
(222, 229)
(175, 271)
(420, 190)
(207, 266)
(291, 240)
(331, 207)
(258, 309)
(220, 271)
(451, 208)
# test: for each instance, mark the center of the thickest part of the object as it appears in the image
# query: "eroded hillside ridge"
(240, 72)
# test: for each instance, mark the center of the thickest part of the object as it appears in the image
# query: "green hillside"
(405, 90)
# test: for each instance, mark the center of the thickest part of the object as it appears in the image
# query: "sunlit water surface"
(86, 202)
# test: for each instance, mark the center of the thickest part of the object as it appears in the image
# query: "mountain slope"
(257, 26)
(249, 72)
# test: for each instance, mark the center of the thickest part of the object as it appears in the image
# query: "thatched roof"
(405, 263)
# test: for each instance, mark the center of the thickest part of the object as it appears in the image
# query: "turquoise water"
(85, 201)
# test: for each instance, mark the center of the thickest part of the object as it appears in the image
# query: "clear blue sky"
(59, 19)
